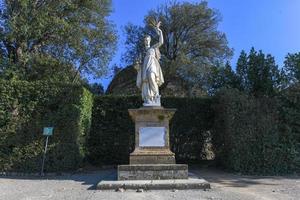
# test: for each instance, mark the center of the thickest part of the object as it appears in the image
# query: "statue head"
(147, 40)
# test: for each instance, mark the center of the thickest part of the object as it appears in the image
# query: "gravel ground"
(225, 186)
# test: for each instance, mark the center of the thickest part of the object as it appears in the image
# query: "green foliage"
(51, 39)
(95, 88)
(27, 107)
(292, 68)
(192, 42)
(258, 135)
(112, 132)
(289, 115)
(190, 127)
(258, 74)
(222, 77)
(254, 135)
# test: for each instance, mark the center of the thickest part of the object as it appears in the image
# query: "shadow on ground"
(227, 179)
(92, 177)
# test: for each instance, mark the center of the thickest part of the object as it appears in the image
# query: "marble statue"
(149, 76)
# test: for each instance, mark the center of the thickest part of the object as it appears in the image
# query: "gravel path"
(81, 186)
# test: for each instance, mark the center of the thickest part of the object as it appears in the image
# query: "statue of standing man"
(149, 76)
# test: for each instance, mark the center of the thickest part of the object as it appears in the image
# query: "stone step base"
(152, 171)
(178, 184)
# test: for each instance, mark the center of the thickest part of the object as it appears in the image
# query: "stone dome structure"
(124, 83)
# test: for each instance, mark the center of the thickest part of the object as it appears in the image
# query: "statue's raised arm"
(160, 34)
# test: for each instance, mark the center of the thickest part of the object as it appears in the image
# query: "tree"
(292, 68)
(192, 42)
(95, 88)
(242, 71)
(116, 70)
(258, 73)
(222, 77)
(46, 38)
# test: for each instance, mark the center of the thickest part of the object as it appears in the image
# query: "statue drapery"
(149, 76)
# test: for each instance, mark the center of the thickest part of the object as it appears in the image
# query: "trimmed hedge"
(112, 132)
(27, 107)
(258, 135)
(250, 135)
(190, 128)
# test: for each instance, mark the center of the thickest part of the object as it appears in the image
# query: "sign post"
(48, 131)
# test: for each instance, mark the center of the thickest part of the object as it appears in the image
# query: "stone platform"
(176, 184)
(152, 171)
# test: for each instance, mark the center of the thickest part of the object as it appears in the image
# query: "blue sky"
(270, 25)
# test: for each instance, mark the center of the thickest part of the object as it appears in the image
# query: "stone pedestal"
(152, 158)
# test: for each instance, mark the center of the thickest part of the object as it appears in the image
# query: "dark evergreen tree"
(292, 68)
(242, 71)
(222, 77)
(258, 73)
(96, 88)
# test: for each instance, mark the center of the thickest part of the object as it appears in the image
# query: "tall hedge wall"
(25, 108)
(258, 135)
(112, 132)
(250, 135)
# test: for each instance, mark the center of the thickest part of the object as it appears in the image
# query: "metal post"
(44, 157)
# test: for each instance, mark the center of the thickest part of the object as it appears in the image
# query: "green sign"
(48, 131)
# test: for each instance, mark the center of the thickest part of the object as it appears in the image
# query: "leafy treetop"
(46, 38)
(192, 42)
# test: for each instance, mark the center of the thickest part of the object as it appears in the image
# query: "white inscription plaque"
(152, 136)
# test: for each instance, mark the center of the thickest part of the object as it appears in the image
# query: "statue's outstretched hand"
(157, 28)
